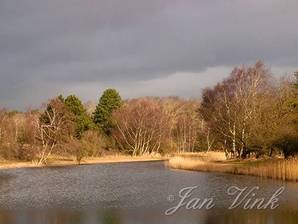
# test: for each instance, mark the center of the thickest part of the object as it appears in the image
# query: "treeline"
(249, 113)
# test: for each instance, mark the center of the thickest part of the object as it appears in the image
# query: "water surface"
(138, 192)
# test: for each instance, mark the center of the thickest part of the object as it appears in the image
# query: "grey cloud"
(51, 46)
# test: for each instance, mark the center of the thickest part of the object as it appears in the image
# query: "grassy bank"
(69, 161)
(266, 168)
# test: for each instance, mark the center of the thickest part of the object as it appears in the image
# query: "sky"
(139, 47)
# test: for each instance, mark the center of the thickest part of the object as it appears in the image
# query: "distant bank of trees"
(248, 114)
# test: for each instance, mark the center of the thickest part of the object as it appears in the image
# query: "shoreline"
(64, 162)
(279, 169)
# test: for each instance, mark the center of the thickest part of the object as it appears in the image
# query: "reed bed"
(204, 156)
(282, 169)
(277, 169)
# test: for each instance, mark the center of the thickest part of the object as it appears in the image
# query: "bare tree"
(230, 106)
(186, 126)
(52, 127)
(142, 126)
(8, 135)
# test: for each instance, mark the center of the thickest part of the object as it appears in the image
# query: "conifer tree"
(108, 102)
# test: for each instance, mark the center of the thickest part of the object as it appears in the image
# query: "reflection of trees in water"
(60, 217)
(252, 217)
(111, 217)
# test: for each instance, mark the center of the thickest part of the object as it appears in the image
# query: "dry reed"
(282, 169)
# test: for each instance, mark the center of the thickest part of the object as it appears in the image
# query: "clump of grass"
(271, 168)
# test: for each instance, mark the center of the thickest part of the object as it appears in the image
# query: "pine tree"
(75, 105)
(108, 102)
(82, 120)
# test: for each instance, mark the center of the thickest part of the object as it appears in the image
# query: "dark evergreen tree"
(108, 102)
(82, 120)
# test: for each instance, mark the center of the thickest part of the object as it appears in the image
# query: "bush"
(288, 144)
(94, 143)
(27, 152)
(90, 145)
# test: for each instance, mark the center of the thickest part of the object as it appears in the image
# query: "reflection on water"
(129, 193)
(129, 217)
(254, 217)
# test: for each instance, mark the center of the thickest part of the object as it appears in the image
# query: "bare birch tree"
(231, 105)
(141, 126)
(52, 127)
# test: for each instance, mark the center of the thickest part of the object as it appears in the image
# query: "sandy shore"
(71, 162)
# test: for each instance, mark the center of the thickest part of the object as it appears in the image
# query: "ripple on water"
(122, 193)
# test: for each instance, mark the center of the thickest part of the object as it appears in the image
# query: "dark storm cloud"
(47, 47)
